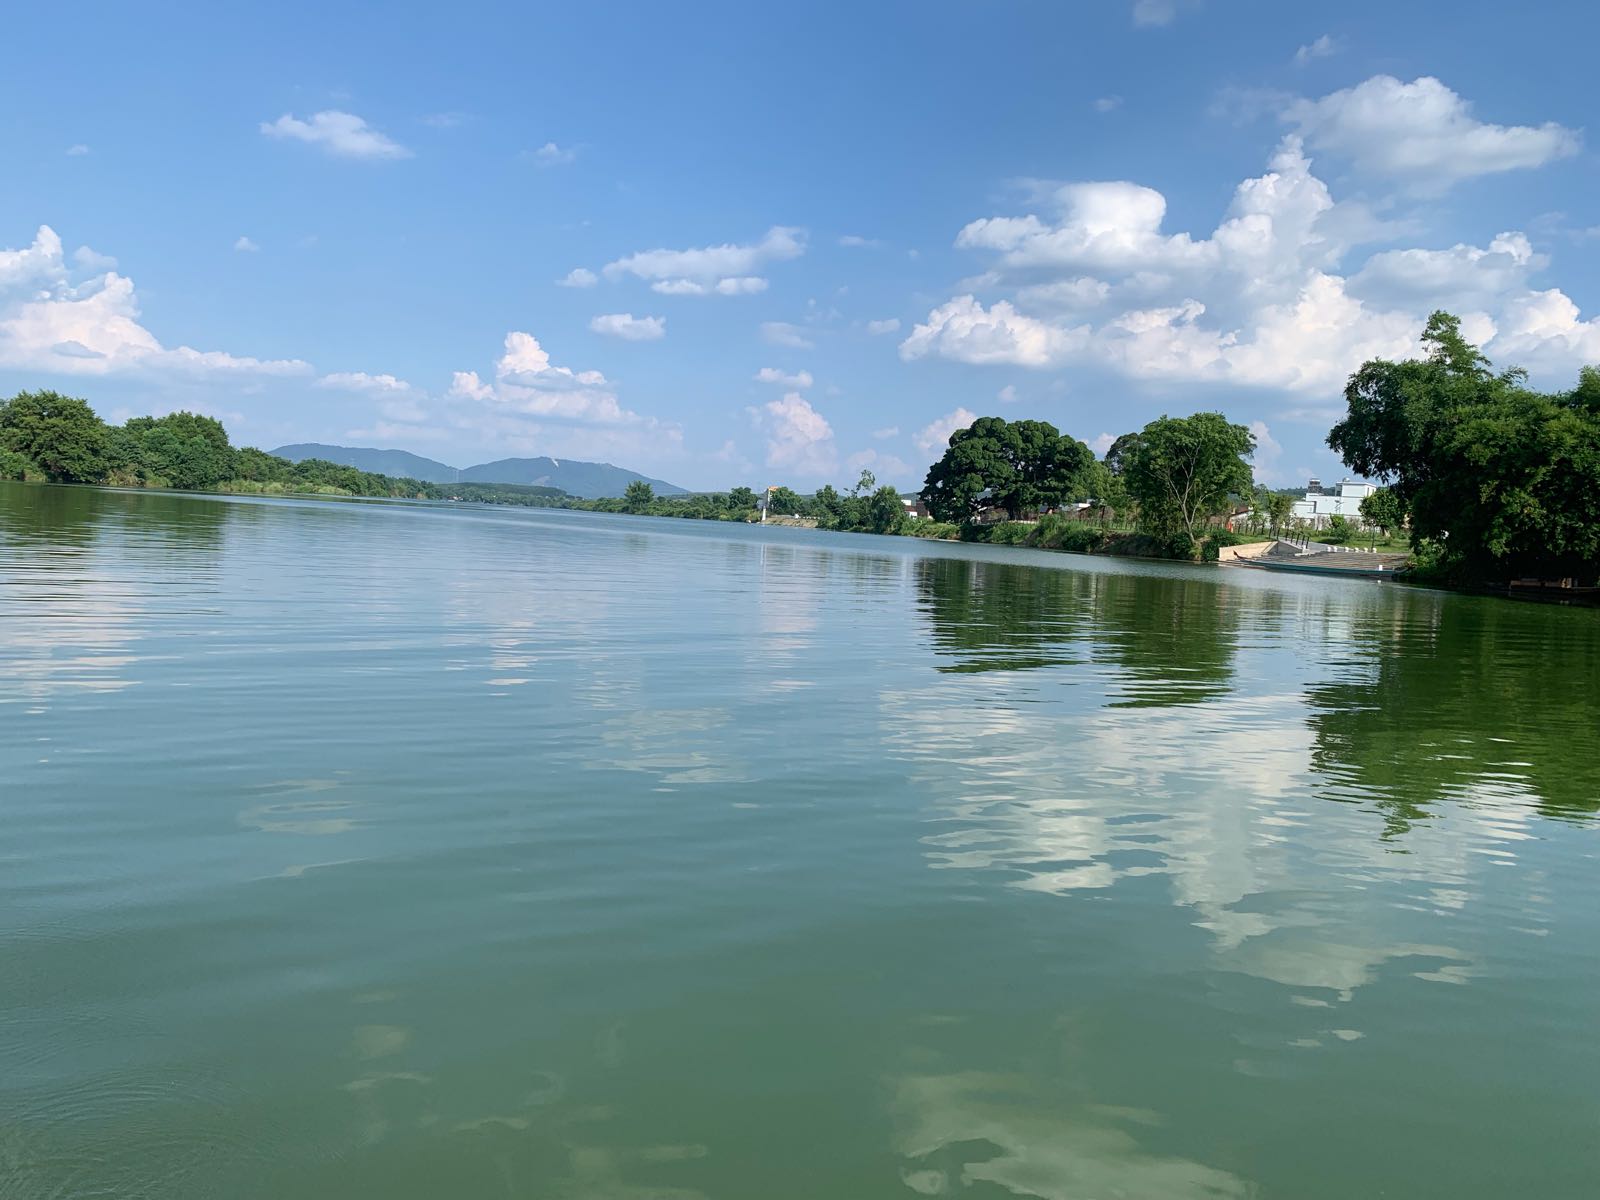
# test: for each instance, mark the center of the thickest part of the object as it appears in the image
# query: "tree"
(1183, 469)
(1020, 466)
(638, 496)
(741, 499)
(182, 450)
(1117, 453)
(1501, 480)
(1339, 530)
(783, 500)
(827, 506)
(865, 484)
(60, 434)
(1383, 509)
(886, 512)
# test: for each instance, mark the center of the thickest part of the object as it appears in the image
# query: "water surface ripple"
(364, 849)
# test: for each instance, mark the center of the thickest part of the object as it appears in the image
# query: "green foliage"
(885, 511)
(1182, 470)
(1384, 509)
(939, 531)
(638, 496)
(180, 450)
(741, 499)
(14, 466)
(1018, 466)
(61, 435)
(1339, 530)
(1505, 480)
(1055, 532)
(786, 503)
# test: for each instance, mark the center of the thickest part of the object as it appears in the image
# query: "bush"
(17, 466)
(941, 531)
(1055, 532)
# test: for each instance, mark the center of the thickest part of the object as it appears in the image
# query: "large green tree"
(638, 496)
(1504, 481)
(1019, 466)
(1182, 470)
(61, 435)
(1384, 509)
(181, 449)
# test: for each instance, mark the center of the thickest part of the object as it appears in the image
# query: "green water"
(362, 850)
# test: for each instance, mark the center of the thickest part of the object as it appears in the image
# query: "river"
(368, 849)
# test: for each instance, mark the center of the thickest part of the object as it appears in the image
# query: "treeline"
(48, 437)
(864, 508)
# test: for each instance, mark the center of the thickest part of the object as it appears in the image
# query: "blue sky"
(737, 243)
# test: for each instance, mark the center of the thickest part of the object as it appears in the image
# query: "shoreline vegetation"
(1487, 482)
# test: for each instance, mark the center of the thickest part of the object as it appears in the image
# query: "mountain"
(586, 479)
(382, 462)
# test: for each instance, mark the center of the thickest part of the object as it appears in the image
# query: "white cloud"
(1154, 12)
(800, 379)
(781, 333)
(887, 468)
(1267, 455)
(1460, 277)
(1102, 443)
(77, 150)
(1007, 394)
(360, 381)
(934, 438)
(55, 321)
(1107, 104)
(887, 325)
(1324, 47)
(799, 438)
(964, 330)
(1067, 294)
(851, 239)
(579, 277)
(741, 285)
(891, 431)
(341, 134)
(629, 327)
(92, 262)
(712, 265)
(535, 407)
(552, 155)
(246, 245)
(1423, 133)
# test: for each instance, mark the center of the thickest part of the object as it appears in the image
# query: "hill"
(399, 463)
(586, 479)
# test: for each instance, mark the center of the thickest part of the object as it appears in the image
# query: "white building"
(1321, 503)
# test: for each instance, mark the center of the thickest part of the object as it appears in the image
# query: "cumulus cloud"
(887, 325)
(799, 438)
(963, 329)
(629, 327)
(889, 431)
(1423, 133)
(55, 319)
(533, 406)
(730, 269)
(934, 437)
(341, 134)
(800, 379)
(1265, 300)
(1324, 47)
(579, 277)
(552, 155)
(77, 150)
(360, 381)
(781, 333)
(246, 245)
(1007, 394)
(1107, 104)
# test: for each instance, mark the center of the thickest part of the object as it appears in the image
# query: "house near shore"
(1321, 504)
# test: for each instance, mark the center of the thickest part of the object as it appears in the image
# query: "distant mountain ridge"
(587, 480)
